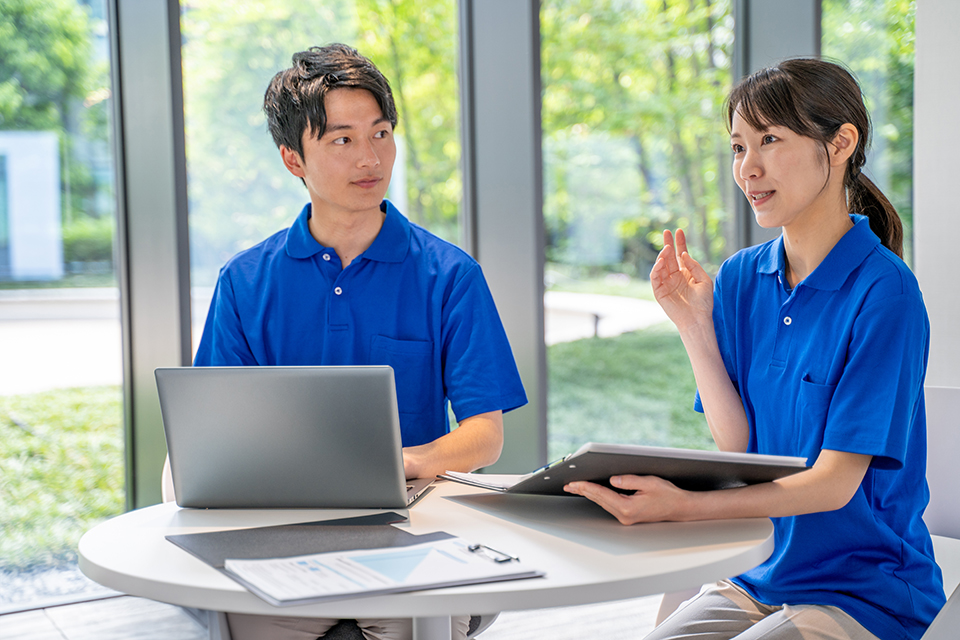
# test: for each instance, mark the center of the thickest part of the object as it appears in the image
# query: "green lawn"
(61, 471)
(61, 452)
(636, 388)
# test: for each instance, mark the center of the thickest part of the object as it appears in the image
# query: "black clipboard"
(689, 469)
(304, 538)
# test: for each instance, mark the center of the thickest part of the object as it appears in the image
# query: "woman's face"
(783, 175)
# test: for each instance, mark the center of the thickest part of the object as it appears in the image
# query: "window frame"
(503, 195)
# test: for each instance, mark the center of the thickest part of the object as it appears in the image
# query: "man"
(352, 282)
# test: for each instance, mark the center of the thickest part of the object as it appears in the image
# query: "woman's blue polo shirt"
(411, 301)
(838, 362)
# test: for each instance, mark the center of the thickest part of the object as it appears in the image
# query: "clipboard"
(267, 560)
(304, 538)
(689, 469)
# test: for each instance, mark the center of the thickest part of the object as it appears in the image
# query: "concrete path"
(574, 316)
(56, 338)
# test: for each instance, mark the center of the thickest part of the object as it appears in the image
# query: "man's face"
(348, 169)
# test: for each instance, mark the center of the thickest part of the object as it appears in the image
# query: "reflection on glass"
(61, 440)
(875, 40)
(239, 191)
(633, 142)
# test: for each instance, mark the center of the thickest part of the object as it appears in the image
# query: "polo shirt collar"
(393, 241)
(773, 261)
(390, 245)
(852, 249)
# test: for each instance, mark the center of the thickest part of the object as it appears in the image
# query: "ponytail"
(865, 198)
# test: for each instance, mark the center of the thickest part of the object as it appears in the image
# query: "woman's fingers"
(681, 242)
(649, 502)
(694, 268)
(611, 501)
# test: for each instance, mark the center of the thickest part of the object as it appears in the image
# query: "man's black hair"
(294, 101)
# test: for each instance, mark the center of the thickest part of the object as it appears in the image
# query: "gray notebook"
(284, 437)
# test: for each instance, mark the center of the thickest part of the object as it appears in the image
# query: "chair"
(216, 621)
(942, 515)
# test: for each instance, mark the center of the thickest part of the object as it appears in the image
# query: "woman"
(814, 344)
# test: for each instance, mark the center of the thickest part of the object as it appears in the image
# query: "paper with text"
(344, 574)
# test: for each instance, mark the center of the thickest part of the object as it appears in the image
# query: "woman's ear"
(844, 144)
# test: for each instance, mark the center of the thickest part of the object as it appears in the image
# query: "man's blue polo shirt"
(411, 301)
(838, 362)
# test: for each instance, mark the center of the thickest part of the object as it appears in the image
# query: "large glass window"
(61, 439)
(875, 39)
(239, 191)
(633, 143)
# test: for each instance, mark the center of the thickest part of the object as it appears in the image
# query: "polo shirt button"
(338, 291)
(787, 320)
(326, 257)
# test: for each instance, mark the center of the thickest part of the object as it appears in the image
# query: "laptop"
(285, 437)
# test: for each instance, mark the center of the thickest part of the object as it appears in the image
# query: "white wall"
(33, 198)
(936, 176)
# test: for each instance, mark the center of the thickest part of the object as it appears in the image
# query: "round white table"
(586, 554)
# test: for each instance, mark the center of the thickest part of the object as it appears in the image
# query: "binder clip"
(492, 554)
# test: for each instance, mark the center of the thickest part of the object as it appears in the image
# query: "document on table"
(348, 574)
(495, 481)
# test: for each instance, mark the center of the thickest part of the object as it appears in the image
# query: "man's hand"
(476, 443)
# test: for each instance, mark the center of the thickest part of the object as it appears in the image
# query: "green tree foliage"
(633, 133)
(44, 54)
(875, 40)
(239, 190)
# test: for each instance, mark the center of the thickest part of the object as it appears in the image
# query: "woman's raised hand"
(680, 284)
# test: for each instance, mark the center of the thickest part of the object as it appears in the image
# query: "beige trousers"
(724, 611)
(247, 627)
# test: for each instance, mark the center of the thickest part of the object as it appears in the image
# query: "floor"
(130, 618)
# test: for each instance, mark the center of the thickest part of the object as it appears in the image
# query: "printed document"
(346, 574)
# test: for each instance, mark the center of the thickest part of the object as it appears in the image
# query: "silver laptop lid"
(294, 437)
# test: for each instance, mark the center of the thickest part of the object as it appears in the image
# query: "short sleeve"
(223, 342)
(479, 371)
(877, 397)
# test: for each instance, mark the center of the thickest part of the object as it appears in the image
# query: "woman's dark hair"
(814, 98)
(294, 100)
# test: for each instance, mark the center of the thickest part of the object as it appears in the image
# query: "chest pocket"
(411, 362)
(812, 407)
